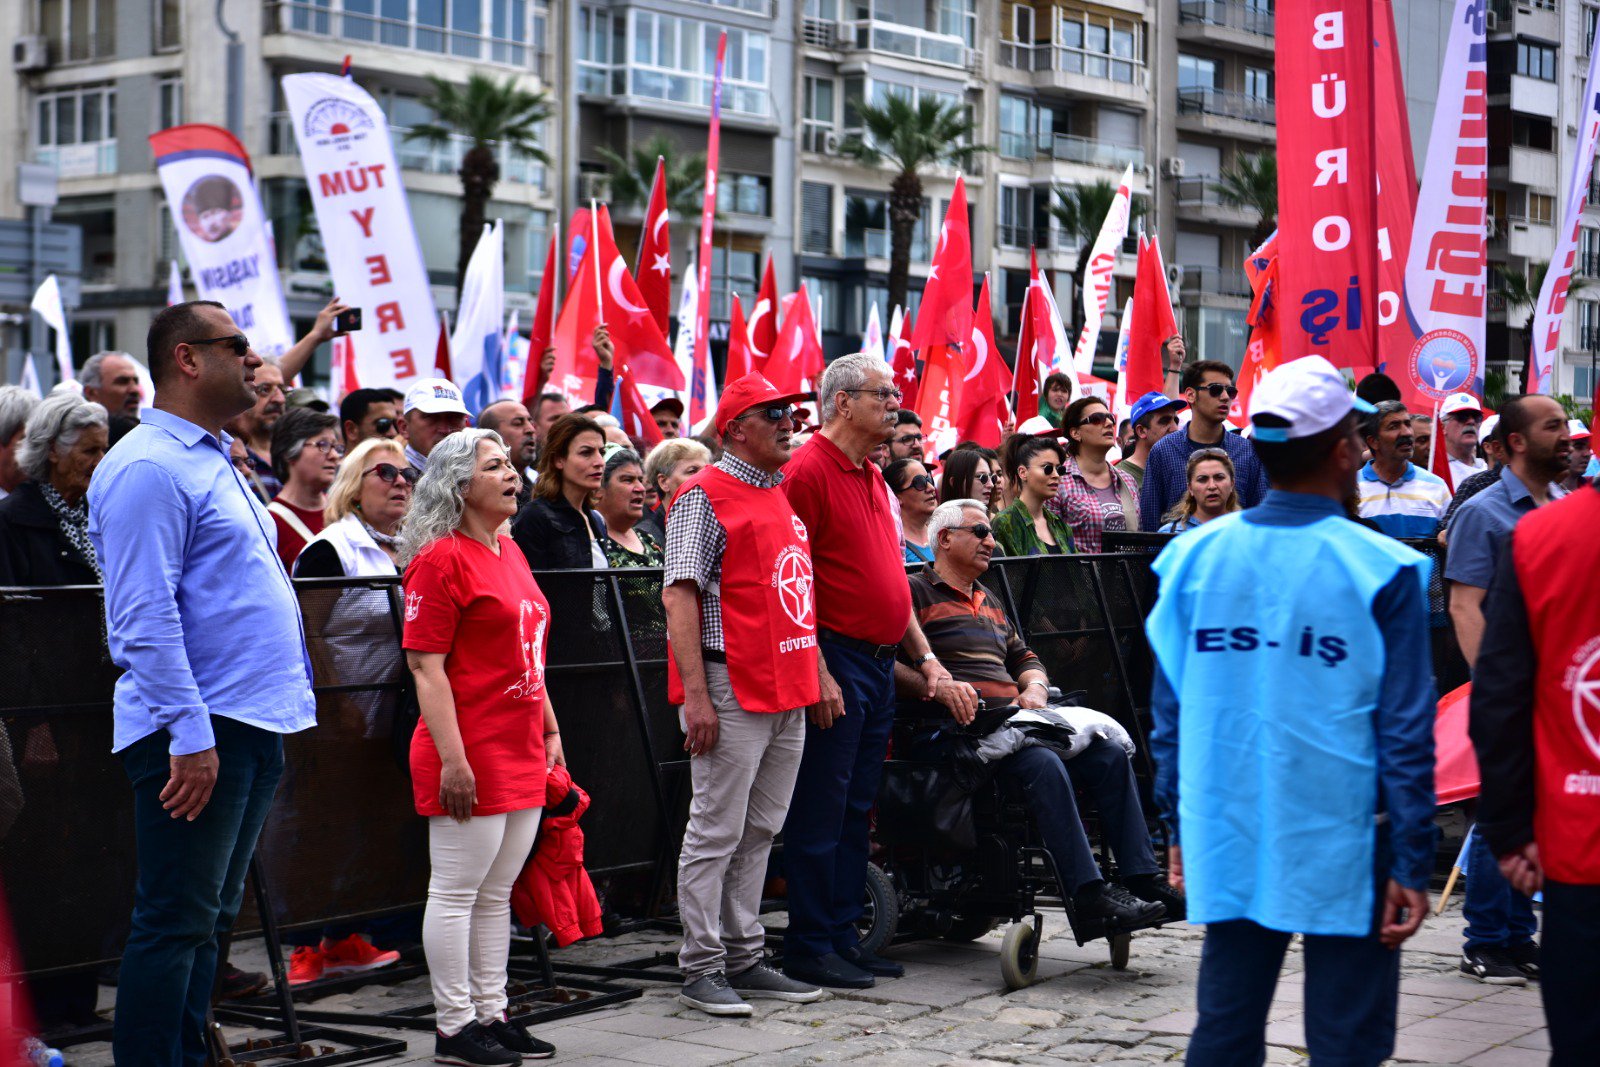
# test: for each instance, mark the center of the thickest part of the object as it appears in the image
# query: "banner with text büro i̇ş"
(217, 213)
(1447, 269)
(365, 221)
(1327, 199)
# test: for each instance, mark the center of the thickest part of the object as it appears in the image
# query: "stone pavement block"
(1461, 1029)
(638, 1024)
(1179, 1022)
(582, 1041)
(1288, 1033)
(1510, 1056)
(1417, 1004)
(673, 1053)
(744, 1039)
(1028, 1017)
(1423, 1048)
(1449, 986)
(1539, 1039)
(1494, 1010)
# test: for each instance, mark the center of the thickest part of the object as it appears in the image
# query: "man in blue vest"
(1294, 711)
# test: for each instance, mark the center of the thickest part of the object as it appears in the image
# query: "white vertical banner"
(872, 337)
(216, 211)
(1552, 304)
(47, 302)
(477, 347)
(365, 221)
(30, 377)
(1097, 278)
(174, 285)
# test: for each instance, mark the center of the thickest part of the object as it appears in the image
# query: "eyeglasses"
(772, 414)
(237, 341)
(983, 479)
(388, 472)
(325, 446)
(382, 427)
(264, 391)
(1217, 389)
(921, 481)
(1098, 418)
(909, 439)
(980, 530)
(883, 393)
(1048, 469)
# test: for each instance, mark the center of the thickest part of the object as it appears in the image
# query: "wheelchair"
(954, 865)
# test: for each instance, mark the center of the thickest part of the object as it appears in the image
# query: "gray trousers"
(742, 789)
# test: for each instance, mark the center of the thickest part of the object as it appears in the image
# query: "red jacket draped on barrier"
(553, 888)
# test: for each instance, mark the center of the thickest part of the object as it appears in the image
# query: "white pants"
(466, 929)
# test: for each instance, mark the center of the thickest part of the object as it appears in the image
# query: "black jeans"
(190, 885)
(1569, 971)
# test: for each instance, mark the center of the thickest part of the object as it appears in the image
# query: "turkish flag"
(654, 269)
(904, 359)
(945, 315)
(441, 350)
(1264, 350)
(343, 370)
(797, 356)
(636, 418)
(740, 359)
(542, 329)
(763, 327)
(983, 408)
(1153, 323)
(1438, 455)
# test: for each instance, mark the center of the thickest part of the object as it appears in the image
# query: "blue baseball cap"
(1154, 402)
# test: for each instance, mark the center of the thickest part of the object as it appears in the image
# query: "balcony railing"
(875, 244)
(1215, 281)
(420, 155)
(1067, 60)
(515, 47)
(908, 42)
(1230, 14)
(1023, 236)
(79, 160)
(1071, 149)
(1227, 104)
(1199, 191)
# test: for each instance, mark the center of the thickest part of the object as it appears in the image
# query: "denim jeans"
(1496, 914)
(190, 884)
(825, 843)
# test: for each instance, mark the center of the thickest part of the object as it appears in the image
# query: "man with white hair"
(16, 404)
(111, 379)
(863, 617)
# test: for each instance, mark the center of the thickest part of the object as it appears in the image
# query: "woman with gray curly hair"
(475, 628)
(44, 524)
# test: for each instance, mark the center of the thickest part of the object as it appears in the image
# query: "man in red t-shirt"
(863, 617)
(742, 626)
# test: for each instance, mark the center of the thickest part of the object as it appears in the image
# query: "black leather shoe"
(1114, 906)
(1156, 889)
(873, 964)
(831, 971)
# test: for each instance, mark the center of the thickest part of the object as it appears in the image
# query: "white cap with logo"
(1307, 393)
(434, 396)
(1459, 402)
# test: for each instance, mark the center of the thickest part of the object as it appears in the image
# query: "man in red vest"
(742, 626)
(1536, 727)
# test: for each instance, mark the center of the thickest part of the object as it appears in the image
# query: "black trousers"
(1569, 972)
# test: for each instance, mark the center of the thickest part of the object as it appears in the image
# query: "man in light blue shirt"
(1396, 495)
(202, 618)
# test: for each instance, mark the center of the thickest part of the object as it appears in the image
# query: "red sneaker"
(305, 965)
(353, 955)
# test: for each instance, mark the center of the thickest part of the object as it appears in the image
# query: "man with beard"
(1500, 949)
(1395, 495)
(1578, 463)
(510, 419)
(1461, 414)
(255, 425)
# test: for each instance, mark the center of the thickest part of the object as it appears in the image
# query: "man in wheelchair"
(975, 641)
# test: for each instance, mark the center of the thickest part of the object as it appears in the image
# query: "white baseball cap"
(435, 396)
(1307, 393)
(1576, 429)
(1459, 402)
(1486, 431)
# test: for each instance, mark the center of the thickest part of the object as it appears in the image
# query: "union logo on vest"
(1585, 686)
(791, 576)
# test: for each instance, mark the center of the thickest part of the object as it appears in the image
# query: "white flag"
(872, 338)
(477, 347)
(1119, 404)
(174, 285)
(47, 302)
(1097, 279)
(30, 377)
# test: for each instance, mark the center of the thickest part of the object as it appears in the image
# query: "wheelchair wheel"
(880, 913)
(1120, 944)
(1019, 956)
(969, 927)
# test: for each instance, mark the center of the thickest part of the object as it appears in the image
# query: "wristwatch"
(926, 656)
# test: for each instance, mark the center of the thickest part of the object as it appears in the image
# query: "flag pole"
(594, 237)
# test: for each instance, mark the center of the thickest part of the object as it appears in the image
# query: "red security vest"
(1557, 555)
(769, 616)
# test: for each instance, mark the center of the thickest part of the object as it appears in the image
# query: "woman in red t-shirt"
(475, 630)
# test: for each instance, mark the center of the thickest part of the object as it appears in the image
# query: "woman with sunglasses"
(1094, 496)
(366, 503)
(912, 486)
(1028, 527)
(1210, 494)
(969, 474)
(305, 457)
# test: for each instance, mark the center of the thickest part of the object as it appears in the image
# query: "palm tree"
(1253, 185)
(1081, 210)
(490, 114)
(910, 137)
(1521, 289)
(633, 174)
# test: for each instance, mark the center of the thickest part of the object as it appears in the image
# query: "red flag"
(740, 359)
(640, 345)
(1438, 455)
(904, 359)
(542, 329)
(1152, 323)
(1455, 764)
(653, 271)
(763, 327)
(579, 235)
(441, 351)
(1397, 202)
(983, 393)
(945, 316)
(636, 418)
(798, 354)
(1024, 369)
(1264, 350)
(939, 397)
(343, 371)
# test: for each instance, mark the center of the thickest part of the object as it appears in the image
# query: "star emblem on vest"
(792, 577)
(1586, 699)
(413, 605)
(799, 528)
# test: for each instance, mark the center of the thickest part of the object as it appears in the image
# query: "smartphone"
(347, 321)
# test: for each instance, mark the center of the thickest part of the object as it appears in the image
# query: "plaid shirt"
(1088, 515)
(696, 541)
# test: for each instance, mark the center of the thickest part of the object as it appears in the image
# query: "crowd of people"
(784, 547)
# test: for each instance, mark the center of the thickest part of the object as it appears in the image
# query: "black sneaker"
(1113, 905)
(237, 984)
(514, 1036)
(1526, 958)
(474, 1046)
(1156, 889)
(1491, 965)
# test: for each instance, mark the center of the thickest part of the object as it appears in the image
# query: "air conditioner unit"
(847, 34)
(1175, 275)
(30, 53)
(1173, 166)
(1148, 172)
(1491, 21)
(830, 143)
(1491, 226)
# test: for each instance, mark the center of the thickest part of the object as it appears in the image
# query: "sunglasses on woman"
(388, 472)
(921, 481)
(983, 479)
(1098, 418)
(1047, 469)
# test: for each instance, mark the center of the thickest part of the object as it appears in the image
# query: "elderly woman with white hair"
(44, 523)
(475, 629)
(16, 404)
(669, 465)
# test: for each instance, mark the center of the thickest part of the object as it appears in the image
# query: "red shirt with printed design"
(486, 613)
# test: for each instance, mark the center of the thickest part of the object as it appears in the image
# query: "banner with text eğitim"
(1327, 211)
(217, 213)
(365, 221)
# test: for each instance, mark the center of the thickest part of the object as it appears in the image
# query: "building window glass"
(674, 59)
(169, 103)
(1196, 72)
(1016, 127)
(510, 32)
(1536, 61)
(1541, 208)
(819, 116)
(732, 272)
(745, 194)
(816, 218)
(825, 303)
(79, 29)
(169, 24)
(538, 248)
(1016, 216)
(1258, 83)
(76, 132)
(1099, 46)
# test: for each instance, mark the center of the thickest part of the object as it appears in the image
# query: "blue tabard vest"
(1267, 636)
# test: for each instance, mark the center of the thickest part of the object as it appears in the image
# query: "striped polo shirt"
(971, 635)
(1410, 507)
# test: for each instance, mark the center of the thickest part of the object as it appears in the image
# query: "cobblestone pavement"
(951, 1008)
